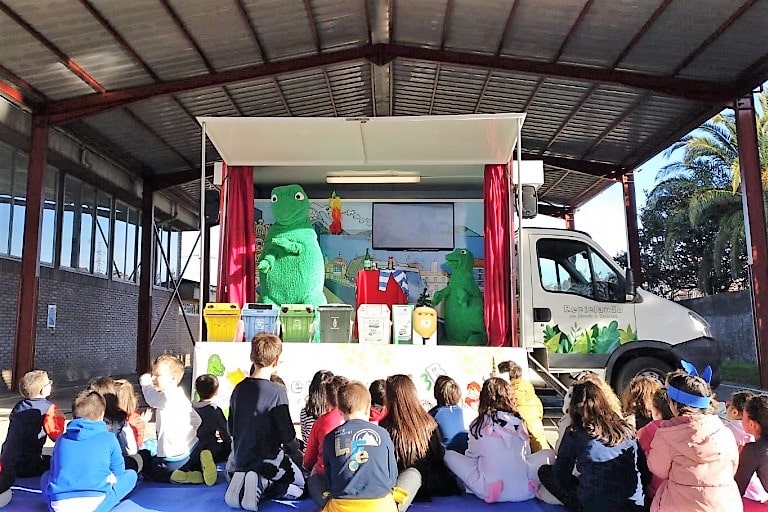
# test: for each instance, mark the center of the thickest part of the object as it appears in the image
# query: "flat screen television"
(413, 226)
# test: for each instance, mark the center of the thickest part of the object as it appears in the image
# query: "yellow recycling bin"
(221, 320)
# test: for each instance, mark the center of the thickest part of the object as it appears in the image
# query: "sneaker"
(235, 490)
(210, 473)
(253, 488)
(187, 477)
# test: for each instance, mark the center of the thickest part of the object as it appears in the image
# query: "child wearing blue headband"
(694, 453)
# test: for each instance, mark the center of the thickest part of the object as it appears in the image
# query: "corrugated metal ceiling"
(606, 84)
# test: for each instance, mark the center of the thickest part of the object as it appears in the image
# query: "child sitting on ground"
(31, 420)
(87, 472)
(316, 404)
(752, 473)
(660, 411)
(497, 466)
(313, 456)
(601, 445)
(265, 452)
(528, 405)
(378, 409)
(126, 400)
(360, 462)
(212, 434)
(117, 422)
(178, 452)
(694, 453)
(734, 412)
(449, 415)
(637, 400)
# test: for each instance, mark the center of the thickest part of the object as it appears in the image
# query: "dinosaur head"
(460, 259)
(290, 205)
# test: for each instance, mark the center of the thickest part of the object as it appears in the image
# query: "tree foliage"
(692, 234)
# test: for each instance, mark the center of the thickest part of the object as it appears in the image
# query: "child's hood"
(698, 437)
(81, 428)
(507, 426)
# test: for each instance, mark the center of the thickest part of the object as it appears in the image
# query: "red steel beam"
(633, 236)
(570, 219)
(694, 90)
(26, 318)
(144, 326)
(63, 58)
(754, 224)
(64, 111)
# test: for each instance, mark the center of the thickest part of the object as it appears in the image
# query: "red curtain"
(499, 309)
(237, 242)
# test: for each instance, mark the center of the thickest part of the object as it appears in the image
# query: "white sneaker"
(235, 490)
(253, 488)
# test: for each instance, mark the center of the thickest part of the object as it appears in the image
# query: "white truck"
(579, 310)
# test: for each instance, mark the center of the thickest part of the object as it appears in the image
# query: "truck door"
(580, 309)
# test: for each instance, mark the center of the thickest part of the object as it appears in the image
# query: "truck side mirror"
(629, 284)
(530, 200)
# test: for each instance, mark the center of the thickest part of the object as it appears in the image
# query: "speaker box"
(211, 207)
(530, 202)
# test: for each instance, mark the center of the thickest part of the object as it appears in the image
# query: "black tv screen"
(413, 226)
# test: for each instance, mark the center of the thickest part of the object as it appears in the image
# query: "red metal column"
(26, 318)
(144, 333)
(754, 224)
(633, 237)
(570, 219)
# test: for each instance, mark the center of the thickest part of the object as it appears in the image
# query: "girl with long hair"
(117, 421)
(637, 400)
(416, 439)
(316, 404)
(694, 453)
(496, 467)
(601, 446)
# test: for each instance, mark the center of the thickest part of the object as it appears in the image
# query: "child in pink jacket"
(694, 452)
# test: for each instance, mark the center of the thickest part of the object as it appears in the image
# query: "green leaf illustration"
(608, 339)
(552, 336)
(627, 335)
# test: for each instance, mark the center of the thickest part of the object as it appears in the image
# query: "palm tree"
(701, 194)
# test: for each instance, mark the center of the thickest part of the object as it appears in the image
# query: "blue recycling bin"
(259, 318)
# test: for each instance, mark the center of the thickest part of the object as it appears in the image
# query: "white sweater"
(176, 421)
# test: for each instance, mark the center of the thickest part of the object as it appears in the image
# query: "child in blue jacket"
(87, 469)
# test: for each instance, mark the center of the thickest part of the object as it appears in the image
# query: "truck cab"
(580, 311)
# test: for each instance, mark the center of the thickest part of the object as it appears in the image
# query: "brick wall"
(96, 324)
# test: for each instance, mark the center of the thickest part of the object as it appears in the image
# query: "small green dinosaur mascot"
(291, 267)
(463, 309)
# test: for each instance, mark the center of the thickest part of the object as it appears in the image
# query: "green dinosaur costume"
(291, 267)
(463, 309)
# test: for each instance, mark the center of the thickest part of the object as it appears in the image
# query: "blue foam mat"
(155, 497)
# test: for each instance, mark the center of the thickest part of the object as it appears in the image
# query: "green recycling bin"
(296, 322)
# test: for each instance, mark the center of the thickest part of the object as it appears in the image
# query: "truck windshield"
(570, 266)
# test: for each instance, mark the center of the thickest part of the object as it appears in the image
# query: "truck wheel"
(648, 366)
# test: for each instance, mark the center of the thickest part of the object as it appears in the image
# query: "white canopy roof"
(365, 142)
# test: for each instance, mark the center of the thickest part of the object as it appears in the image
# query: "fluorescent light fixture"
(373, 177)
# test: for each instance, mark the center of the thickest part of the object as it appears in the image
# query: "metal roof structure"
(605, 84)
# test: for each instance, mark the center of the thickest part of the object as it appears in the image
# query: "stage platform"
(154, 497)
